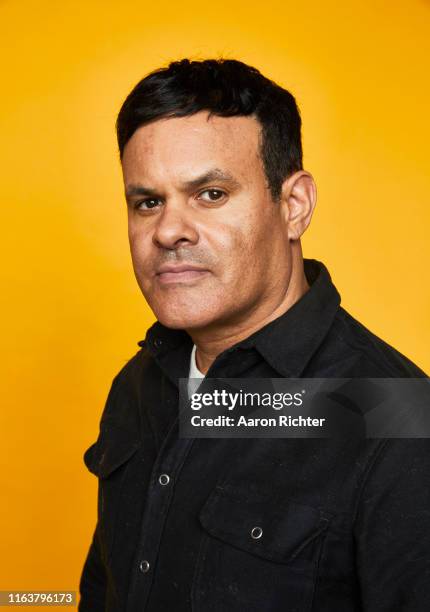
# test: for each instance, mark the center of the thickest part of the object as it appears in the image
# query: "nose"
(174, 228)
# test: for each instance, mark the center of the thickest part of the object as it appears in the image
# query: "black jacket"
(345, 523)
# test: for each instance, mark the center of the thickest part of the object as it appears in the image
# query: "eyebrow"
(215, 174)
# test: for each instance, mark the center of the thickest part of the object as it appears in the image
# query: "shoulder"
(351, 350)
(126, 388)
(373, 356)
(137, 368)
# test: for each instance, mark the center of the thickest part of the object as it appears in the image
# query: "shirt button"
(158, 342)
(144, 566)
(164, 479)
(256, 532)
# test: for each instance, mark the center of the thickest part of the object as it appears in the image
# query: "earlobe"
(299, 198)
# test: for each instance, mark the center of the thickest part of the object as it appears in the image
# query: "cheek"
(241, 250)
(141, 257)
(258, 264)
(226, 245)
(138, 240)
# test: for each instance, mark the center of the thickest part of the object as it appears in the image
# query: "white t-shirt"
(194, 373)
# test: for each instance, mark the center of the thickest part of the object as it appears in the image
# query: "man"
(217, 203)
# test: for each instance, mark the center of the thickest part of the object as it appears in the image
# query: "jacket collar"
(288, 342)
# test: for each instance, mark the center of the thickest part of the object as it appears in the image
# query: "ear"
(298, 199)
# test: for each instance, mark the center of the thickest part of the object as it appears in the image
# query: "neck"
(210, 344)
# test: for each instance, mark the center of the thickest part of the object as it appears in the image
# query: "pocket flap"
(106, 455)
(283, 530)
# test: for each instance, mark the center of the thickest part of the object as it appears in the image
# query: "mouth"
(182, 275)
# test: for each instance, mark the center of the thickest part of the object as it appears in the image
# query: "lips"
(180, 273)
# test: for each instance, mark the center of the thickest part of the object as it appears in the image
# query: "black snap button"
(144, 566)
(164, 479)
(158, 342)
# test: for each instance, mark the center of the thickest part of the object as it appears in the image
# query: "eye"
(146, 204)
(212, 195)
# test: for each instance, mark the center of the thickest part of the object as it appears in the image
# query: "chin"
(184, 320)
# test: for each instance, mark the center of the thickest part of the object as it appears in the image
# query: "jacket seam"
(366, 475)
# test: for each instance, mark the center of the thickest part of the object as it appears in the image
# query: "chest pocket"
(257, 553)
(108, 459)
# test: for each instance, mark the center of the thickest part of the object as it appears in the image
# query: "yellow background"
(72, 311)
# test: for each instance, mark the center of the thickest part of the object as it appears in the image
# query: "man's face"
(198, 198)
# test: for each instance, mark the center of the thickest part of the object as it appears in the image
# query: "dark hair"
(224, 87)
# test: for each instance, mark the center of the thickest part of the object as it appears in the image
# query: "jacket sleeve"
(392, 529)
(92, 585)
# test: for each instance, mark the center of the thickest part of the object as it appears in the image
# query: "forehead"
(184, 144)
